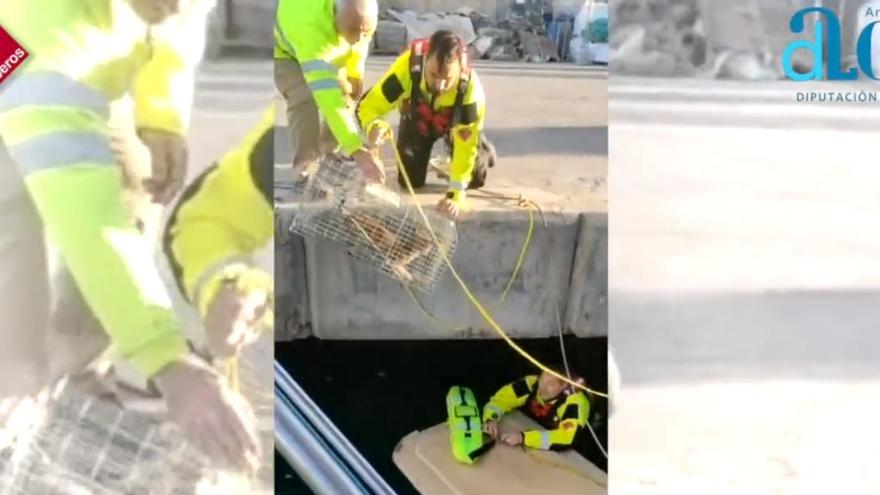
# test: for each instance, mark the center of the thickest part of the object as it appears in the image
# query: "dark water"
(379, 391)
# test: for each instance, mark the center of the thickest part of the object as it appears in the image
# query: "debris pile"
(526, 34)
(703, 38)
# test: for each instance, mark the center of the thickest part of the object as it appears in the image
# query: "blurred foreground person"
(59, 182)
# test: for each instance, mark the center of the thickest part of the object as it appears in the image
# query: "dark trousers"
(415, 151)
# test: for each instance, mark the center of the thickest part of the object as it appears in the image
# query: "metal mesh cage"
(81, 443)
(88, 445)
(336, 205)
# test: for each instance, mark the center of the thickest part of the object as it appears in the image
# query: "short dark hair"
(559, 369)
(446, 45)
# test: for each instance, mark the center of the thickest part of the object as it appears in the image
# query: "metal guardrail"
(326, 461)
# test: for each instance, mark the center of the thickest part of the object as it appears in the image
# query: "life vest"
(465, 427)
(432, 122)
(545, 414)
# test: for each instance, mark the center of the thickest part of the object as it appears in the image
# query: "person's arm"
(224, 216)
(302, 35)
(59, 142)
(387, 94)
(508, 398)
(356, 63)
(466, 139)
(163, 88)
(573, 418)
(163, 96)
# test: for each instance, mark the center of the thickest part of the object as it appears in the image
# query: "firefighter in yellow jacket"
(223, 217)
(320, 50)
(438, 96)
(59, 179)
(551, 402)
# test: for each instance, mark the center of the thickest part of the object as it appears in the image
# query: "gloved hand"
(169, 156)
(213, 418)
(452, 205)
(236, 308)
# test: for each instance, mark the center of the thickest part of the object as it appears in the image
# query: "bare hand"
(449, 208)
(491, 428)
(370, 166)
(513, 439)
(378, 134)
(213, 419)
(235, 318)
(169, 156)
(355, 88)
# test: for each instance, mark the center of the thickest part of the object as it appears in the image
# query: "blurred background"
(744, 281)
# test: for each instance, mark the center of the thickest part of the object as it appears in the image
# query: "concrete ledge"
(322, 291)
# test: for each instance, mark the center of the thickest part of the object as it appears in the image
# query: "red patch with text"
(11, 55)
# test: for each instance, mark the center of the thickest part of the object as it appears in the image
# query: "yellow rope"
(513, 276)
(467, 291)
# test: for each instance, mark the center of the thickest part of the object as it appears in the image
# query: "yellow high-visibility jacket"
(223, 217)
(53, 120)
(395, 89)
(306, 32)
(567, 414)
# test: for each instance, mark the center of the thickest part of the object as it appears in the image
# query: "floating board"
(425, 457)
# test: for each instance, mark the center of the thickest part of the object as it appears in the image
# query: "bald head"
(356, 19)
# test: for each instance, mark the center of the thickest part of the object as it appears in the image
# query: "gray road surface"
(548, 122)
(745, 291)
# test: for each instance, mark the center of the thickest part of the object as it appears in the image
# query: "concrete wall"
(322, 291)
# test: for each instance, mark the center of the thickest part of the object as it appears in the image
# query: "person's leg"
(415, 151)
(24, 288)
(485, 160)
(303, 119)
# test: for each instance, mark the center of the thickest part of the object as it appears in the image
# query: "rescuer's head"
(356, 19)
(443, 65)
(156, 11)
(551, 387)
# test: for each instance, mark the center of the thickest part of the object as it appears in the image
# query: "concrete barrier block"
(351, 300)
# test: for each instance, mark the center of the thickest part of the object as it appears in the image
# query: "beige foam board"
(425, 457)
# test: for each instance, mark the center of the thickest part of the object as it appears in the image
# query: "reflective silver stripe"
(495, 410)
(324, 84)
(287, 45)
(458, 186)
(545, 439)
(52, 89)
(214, 270)
(313, 65)
(60, 149)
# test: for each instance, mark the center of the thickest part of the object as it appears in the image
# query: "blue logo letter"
(863, 49)
(797, 26)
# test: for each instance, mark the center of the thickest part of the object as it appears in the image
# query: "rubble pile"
(657, 37)
(520, 36)
(701, 38)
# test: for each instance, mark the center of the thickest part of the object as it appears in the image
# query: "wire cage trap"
(335, 204)
(86, 444)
